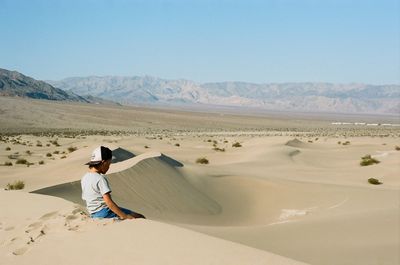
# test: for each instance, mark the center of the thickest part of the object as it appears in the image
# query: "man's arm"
(114, 207)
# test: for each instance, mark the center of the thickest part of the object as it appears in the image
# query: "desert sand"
(292, 192)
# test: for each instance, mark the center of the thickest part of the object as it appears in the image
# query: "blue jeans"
(107, 213)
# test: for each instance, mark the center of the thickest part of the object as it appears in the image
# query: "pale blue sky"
(338, 41)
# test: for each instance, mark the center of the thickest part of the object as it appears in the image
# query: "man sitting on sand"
(96, 190)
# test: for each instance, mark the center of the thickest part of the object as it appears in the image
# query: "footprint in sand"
(71, 217)
(33, 226)
(48, 215)
(20, 251)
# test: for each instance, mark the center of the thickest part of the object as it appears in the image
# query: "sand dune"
(148, 183)
(307, 201)
(53, 230)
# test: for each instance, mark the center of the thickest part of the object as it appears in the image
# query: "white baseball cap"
(99, 154)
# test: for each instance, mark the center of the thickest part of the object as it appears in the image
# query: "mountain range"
(15, 84)
(147, 90)
(313, 97)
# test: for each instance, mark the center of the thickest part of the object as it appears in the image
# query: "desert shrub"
(48, 154)
(47, 145)
(8, 164)
(22, 161)
(55, 142)
(28, 152)
(374, 181)
(339, 142)
(17, 185)
(56, 152)
(397, 148)
(8, 148)
(219, 149)
(209, 140)
(368, 160)
(14, 156)
(346, 143)
(225, 142)
(41, 162)
(63, 157)
(177, 144)
(146, 146)
(310, 141)
(237, 144)
(72, 149)
(202, 160)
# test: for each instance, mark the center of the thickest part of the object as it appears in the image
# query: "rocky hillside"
(14, 84)
(316, 97)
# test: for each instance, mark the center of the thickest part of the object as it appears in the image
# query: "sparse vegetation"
(56, 152)
(368, 160)
(17, 185)
(48, 154)
(55, 142)
(374, 181)
(397, 148)
(177, 144)
(63, 157)
(146, 146)
(202, 160)
(14, 156)
(219, 149)
(8, 164)
(339, 142)
(41, 162)
(21, 161)
(346, 143)
(8, 148)
(28, 152)
(236, 144)
(72, 149)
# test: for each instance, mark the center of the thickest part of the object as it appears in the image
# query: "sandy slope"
(52, 230)
(306, 199)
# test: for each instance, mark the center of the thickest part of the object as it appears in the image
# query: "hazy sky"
(337, 41)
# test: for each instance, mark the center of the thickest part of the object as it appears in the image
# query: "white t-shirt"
(94, 186)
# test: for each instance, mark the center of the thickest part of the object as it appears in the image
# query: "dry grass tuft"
(367, 160)
(22, 161)
(219, 149)
(72, 149)
(374, 181)
(202, 160)
(17, 185)
(237, 144)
